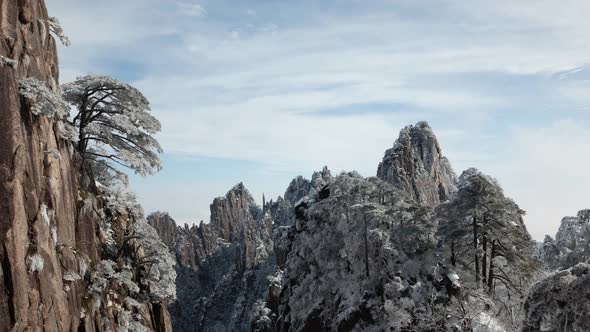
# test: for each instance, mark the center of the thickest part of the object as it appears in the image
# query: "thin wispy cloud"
(248, 81)
(191, 9)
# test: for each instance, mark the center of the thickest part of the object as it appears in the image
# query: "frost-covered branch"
(8, 61)
(114, 123)
(160, 274)
(114, 189)
(55, 27)
(44, 102)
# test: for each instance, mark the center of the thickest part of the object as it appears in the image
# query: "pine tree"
(114, 124)
(485, 233)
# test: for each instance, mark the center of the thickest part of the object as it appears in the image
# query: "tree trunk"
(491, 272)
(484, 258)
(366, 248)
(477, 273)
(347, 215)
(453, 255)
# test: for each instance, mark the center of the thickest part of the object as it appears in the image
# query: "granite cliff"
(222, 265)
(571, 243)
(416, 166)
(559, 300)
(52, 237)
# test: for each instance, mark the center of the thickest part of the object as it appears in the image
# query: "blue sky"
(262, 91)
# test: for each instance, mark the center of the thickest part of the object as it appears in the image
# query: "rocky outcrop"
(571, 244)
(165, 226)
(297, 189)
(222, 265)
(574, 232)
(235, 220)
(560, 302)
(50, 233)
(229, 213)
(416, 165)
(282, 210)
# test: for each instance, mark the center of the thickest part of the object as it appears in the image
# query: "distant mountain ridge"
(350, 253)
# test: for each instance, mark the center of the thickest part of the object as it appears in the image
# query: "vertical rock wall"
(48, 223)
(222, 266)
(37, 190)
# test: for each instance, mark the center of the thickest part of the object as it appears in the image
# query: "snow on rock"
(348, 269)
(560, 302)
(222, 266)
(416, 165)
(571, 244)
(299, 189)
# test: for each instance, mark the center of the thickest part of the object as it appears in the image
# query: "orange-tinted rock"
(44, 211)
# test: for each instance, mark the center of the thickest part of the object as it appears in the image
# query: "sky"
(262, 91)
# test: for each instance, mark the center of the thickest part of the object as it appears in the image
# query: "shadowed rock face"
(571, 244)
(45, 211)
(298, 188)
(222, 265)
(235, 220)
(560, 302)
(166, 227)
(25, 170)
(416, 165)
(229, 212)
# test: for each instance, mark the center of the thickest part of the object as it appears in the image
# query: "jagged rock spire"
(230, 212)
(416, 165)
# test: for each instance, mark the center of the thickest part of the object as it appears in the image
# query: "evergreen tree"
(114, 124)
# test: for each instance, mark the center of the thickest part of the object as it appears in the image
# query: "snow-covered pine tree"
(481, 227)
(114, 123)
(55, 27)
(45, 101)
(156, 265)
(484, 238)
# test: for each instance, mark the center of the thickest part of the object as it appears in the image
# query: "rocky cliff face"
(229, 213)
(222, 266)
(165, 226)
(27, 192)
(570, 245)
(560, 302)
(235, 220)
(50, 237)
(282, 211)
(416, 165)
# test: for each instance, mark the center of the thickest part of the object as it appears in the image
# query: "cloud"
(192, 9)
(292, 85)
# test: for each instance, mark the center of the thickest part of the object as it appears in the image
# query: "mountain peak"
(230, 212)
(416, 165)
